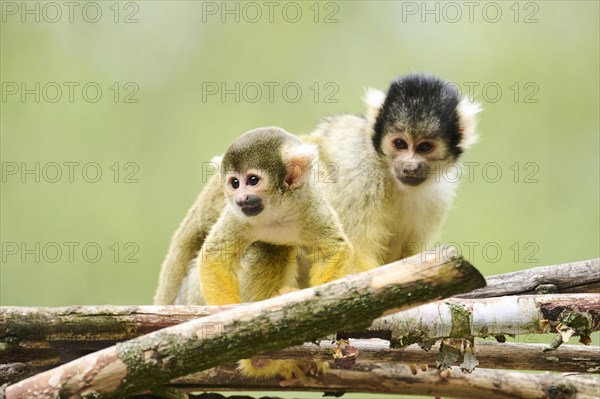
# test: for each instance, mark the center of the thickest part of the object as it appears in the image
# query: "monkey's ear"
(299, 161)
(374, 100)
(467, 120)
(217, 160)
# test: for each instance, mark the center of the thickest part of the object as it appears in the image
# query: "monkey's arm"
(188, 239)
(331, 260)
(331, 254)
(268, 269)
(219, 261)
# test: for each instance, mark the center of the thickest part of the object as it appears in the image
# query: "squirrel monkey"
(391, 191)
(394, 164)
(270, 199)
(272, 208)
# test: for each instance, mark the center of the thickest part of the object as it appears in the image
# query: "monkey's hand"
(291, 372)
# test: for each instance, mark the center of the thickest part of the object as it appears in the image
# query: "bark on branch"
(568, 315)
(350, 303)
(400, 379)
(41, 338)
(575, 277)
(507, 355)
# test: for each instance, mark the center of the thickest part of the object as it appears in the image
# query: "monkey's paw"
(292, 373)
(414, 368)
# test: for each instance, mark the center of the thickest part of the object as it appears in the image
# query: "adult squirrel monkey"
(390, 191)
(394, 165)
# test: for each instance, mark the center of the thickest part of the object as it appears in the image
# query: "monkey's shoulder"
(334, 125)
(340, 138)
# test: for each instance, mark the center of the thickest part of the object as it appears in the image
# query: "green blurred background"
(533, 66)
(163, 66)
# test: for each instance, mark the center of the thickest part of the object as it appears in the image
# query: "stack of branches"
(416, 326)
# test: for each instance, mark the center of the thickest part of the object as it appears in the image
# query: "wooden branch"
(114, 323)
(514, 356)
(575, 277)
(43, 338)
(47, 337)
(103, 322)
(511, 315)
(399, 379)
(122, 322)
(13, 372)
(351, 303)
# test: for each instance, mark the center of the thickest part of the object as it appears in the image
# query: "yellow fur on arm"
(219, 281)
(268, 269)
(219, 262)
(331, 262)
(363, 263)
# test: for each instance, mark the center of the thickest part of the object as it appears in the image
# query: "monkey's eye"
(234, 183)
(253, 180)
(425, 147)
(400, 144)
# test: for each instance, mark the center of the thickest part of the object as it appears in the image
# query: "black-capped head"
(421, 120)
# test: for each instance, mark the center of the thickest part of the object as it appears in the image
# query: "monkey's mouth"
(252, 210)
(412, 180)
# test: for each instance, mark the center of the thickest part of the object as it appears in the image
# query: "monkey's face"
(421, 126)
(247, 191)
(414, 159)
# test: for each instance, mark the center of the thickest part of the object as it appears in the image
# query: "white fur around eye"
(467, 112)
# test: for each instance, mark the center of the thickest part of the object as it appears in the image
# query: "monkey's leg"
(290, 371)
(219, 262)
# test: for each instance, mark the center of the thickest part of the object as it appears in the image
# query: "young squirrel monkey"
(391, 189)
(272, 209)
(270, 199)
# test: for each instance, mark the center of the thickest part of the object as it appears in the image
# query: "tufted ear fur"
(373, 99)
(467, 115)
(299, 161)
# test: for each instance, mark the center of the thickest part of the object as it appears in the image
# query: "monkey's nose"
(249, 200)
(251, 205)
(411, 168)
(413, 173)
